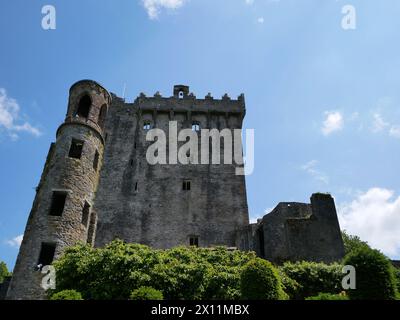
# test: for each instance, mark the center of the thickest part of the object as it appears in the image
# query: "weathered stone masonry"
(97, 186)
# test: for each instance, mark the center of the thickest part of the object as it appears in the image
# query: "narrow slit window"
(46, 255)
(136, 186)
(96, 161)
(186, 185)
(85, 214)
(76, 148)
(194, 241)
(102, 116)
(58, 203)
(91, 229)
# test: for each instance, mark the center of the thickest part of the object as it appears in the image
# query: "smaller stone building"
(297, 231)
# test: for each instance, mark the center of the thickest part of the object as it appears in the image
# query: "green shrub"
(375, 279)
(329, 296)
(114, 271)
(66, 295)
(146, 293)
(313, 278)
(260, 280)
(291, 287)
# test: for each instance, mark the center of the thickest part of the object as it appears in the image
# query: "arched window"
(84, 107)
(102, 116)
(196, 126)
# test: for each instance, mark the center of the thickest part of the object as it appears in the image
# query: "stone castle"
(97, 186)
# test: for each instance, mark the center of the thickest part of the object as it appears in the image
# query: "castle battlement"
(183, 101)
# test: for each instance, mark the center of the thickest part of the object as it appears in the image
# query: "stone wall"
(298, 231)
(143, 203)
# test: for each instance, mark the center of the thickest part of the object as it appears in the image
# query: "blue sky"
(324, 101)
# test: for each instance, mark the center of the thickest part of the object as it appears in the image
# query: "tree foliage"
(146, 293)
(352, 243)
(4, 273)
(329, 296)
(66, 295)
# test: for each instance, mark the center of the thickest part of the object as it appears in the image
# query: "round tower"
(62, 214)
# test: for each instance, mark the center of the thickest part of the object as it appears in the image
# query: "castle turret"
(62, 213)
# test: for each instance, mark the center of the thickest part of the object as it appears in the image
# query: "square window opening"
(186, 185)
(76, 148)
(194, 241)
(147, 126)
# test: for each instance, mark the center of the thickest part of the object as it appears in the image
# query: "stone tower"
(166, 205)
(62, 212)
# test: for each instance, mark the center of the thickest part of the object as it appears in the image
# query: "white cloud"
(260, 20)
(374, 216)
(255, 218)
(9, 115)
(333, 122)
(15, 242)
(153, 7)
(379, 123)
(249, 2)
(311, 168)
(395, 131)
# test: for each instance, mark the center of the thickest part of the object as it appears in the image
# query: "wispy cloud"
(154, 7)
(254, 219)
(374, 216)
(333, 122)
(15, 242)
(379, 123)
(383, 115)
(311, 168)
(10, 118)
(395, 132)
